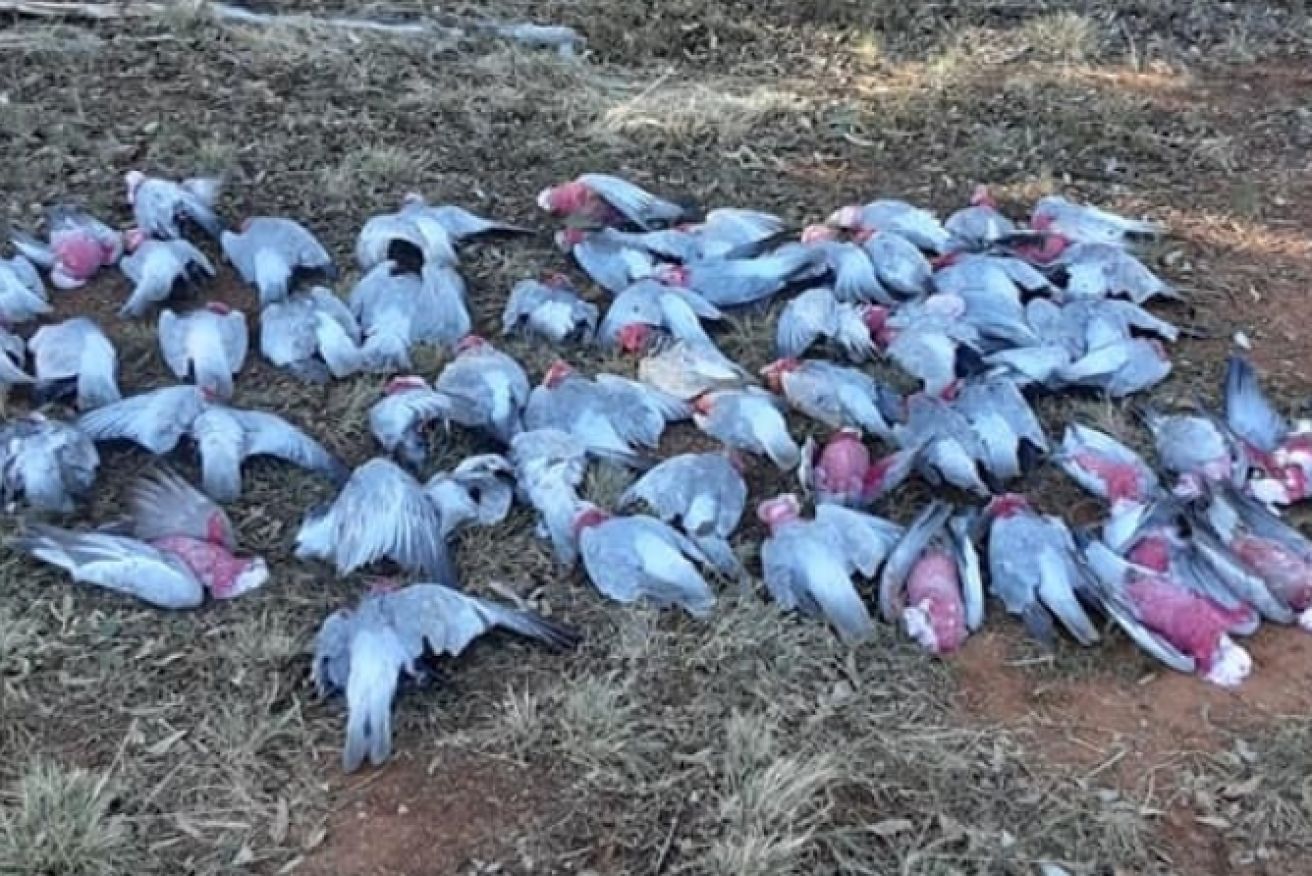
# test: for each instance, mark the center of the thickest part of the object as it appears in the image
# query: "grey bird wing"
(447, 620)
(902, 558)
(156, 420)
(637, 204)
(270, 435)
(163, 503)
(864, 538)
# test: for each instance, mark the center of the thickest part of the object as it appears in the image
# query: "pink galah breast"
(1153, 552)
(211, 563)
(1121, 480)
(842, 466)
(79, 255)
(935, 615)
(1287, 574)
(1192, 623)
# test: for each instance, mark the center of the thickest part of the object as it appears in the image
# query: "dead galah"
(78, 246)
(158, 204)
(312, 335)
(1035, 569)
(155, 267)
(686, 370)
(49, 464)
(176, 546)
(932, 581)
(270, 251)
(750, 420)
(492, 382)
(1005, 424)
(808, 565)
(1181, 628)
(224, 436)
(947, 446)
(1191, 446)
(1262, 543)
(363, 652)
(850, 270)
(381, 512)
(844, 472)
(604, 199)
(1106, 468)
(459, 224)
(900, 266)
(979, 224)
(610, 264)
(705, 493)
(208, 344)
(611, 414)
(22, 294)
(917, 225)
(385, 305)
(641, 559)
(551, 309)
(924, 339)
(647, 309)
(477, 491)
(549, 465)
(1086, 223)
(12, 357)
(1120, 368)
(836, 396)
(398, 237)
(74, 357)
(724, 231)
(1281, 451)
(442, 318)
(409, 407)
(817, 315)
(733, 282)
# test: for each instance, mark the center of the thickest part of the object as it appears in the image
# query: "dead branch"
(565, 40)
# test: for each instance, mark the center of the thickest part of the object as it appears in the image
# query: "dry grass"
(751, 743)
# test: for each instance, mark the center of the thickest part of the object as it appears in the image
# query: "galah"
(49, 464)
(1004, 422)
(638, 558)
(1025, 276)
(733, 282)
(1102, 270)
(1030, 366)
(1263, 543)
(270, 251)
(1114, 319)
(313, 335)
(381, 512)
(932, 580)
(817, 314)
(925, 340)
(459, 224)
(1189, 445)
(647, 308)
(208, 344)
(706, 494)
(853, 276)
(1086, 223)
(1120, 368)
(12, 350)
(159, 204)
(808, 565)
(75, 357)
(604, 199)
(684, 371)
(490, 381)
(22, 294)
(549, 466)
(224, 436)
(836, 396)
(363, 651)
(77, 246)
(476, 491)
(724, 231)
(750, 420)
(397, 237)
(1035, 569)
(155, 267)
(400, 419)
(919, 226)
(899, 264)
(551, 309)
(1183, 629)
(176, 546)
(442, 315)
(992, 300)
(612, 265)
(843, 472)
(948, 448)
(612, 415)
(1106, 468)
(386, 307)
(979, 224)
(1268, 439)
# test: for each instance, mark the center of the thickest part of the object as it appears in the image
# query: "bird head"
(133, 179)
(568, 238)
(982, 197)
(783, 508)
(703, 404)
(1007, 505)
(559, 370)
(818, 233)
(570, 197)
(774, 372)
(404, 383)
(413, 199)
(845, 217)
(557, 280)
(470, 342)
(633, 337)
(587, 516)
(133, 238)
(875, 316)
(671, 275)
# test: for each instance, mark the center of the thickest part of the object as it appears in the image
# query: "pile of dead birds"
(981, 313)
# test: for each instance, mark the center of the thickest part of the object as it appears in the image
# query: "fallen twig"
(565, 40)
